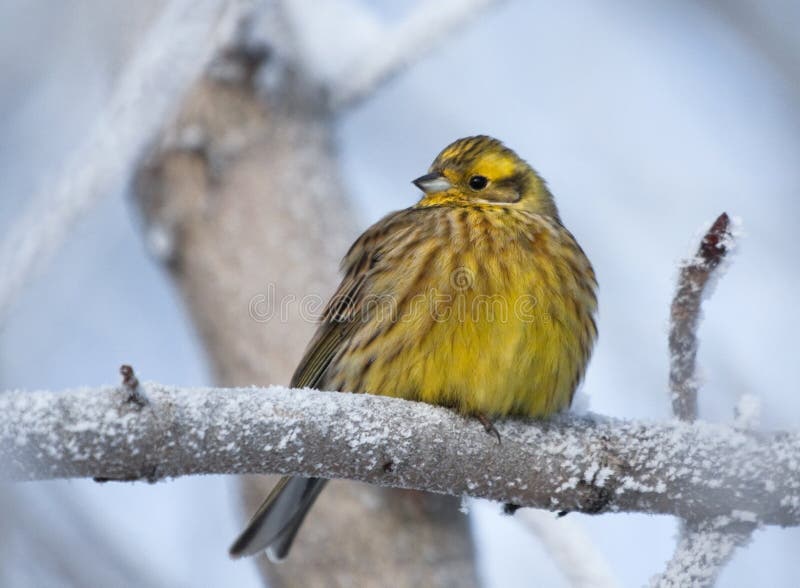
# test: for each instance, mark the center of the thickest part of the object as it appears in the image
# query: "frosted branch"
(703, 550)
(569, 463)
(695, 275)
(171, 57)
(705, 545)
(427, 25)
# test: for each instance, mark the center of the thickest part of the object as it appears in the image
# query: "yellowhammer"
(476, 298)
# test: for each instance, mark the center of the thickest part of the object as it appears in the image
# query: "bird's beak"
(432, 183)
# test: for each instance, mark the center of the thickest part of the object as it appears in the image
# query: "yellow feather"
(487, 300)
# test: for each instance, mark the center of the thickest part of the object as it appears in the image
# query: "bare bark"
(242, 200)
(588, 464)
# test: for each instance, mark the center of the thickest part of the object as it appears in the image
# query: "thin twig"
(705, 545)
(694, 276)
(131, 383)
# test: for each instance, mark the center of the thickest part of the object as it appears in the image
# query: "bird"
(475, 298)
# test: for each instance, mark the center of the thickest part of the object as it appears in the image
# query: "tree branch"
(397, 48)
(703, 550)
(705, 545)
(695, 275)
(570, 463)
(172, 55)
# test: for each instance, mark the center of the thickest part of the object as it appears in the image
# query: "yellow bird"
(476, 298)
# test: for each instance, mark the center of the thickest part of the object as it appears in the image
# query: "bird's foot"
(509, 508)
(488, 425)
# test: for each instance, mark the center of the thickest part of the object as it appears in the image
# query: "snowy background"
(648, 120)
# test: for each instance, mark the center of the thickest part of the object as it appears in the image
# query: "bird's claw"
(488, 426)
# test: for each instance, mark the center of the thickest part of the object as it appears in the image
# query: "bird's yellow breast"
(491, 313)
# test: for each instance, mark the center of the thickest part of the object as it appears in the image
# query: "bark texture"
(591, 464)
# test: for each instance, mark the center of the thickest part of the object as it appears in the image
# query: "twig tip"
(131, 384)
(714, 245)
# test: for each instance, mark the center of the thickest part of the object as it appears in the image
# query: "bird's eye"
(478, 182)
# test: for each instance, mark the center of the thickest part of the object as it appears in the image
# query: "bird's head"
(481, 170)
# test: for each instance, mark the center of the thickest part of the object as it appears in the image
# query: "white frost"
(748, 411)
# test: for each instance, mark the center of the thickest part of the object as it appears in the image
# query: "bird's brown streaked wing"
(341, 317)
(338, 325)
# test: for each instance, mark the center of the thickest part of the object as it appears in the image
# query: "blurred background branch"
(390, 51)
(568, 544)
(170, 58)
(770, 29)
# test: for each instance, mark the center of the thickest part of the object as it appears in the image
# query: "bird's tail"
(276, 522)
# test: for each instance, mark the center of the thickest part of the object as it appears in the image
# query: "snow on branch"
(171, 57)
(703, 550)
(693, 281)
(705, 545)
(398, 47)
(589, 464)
